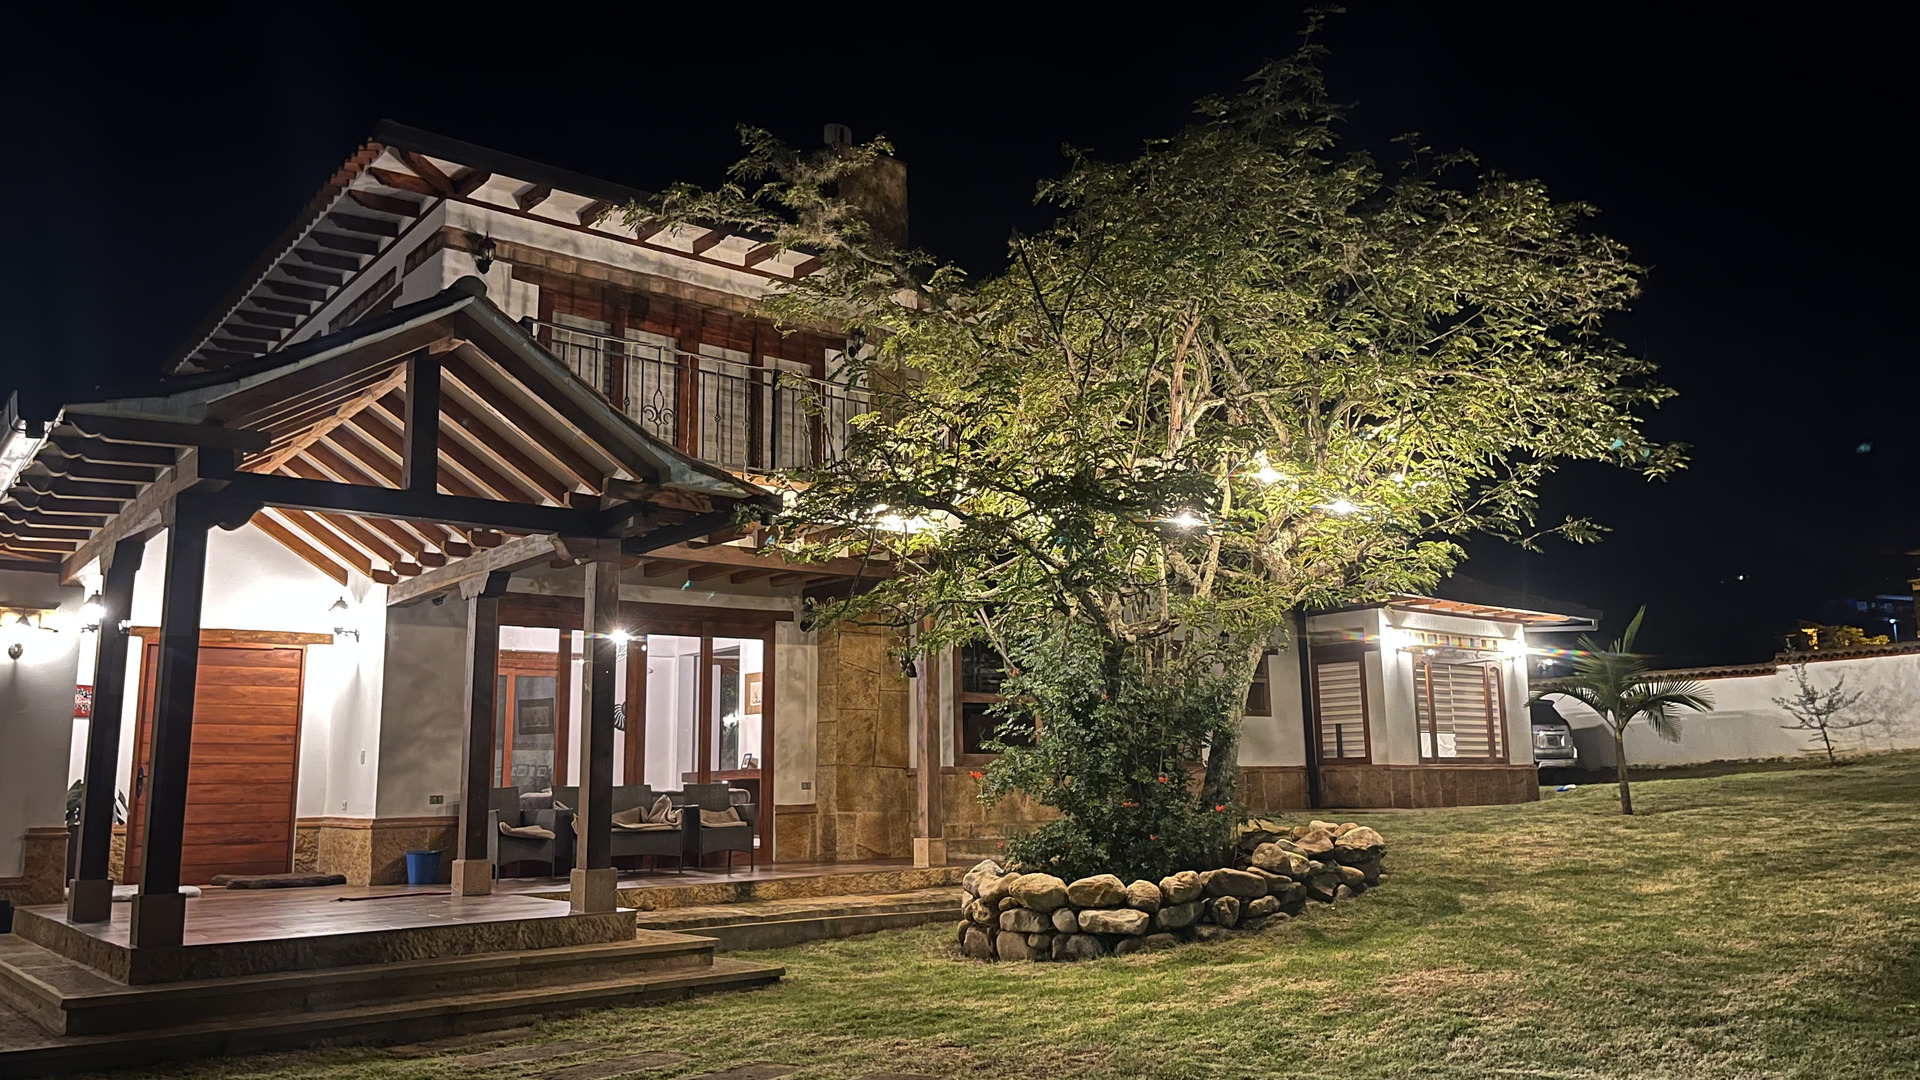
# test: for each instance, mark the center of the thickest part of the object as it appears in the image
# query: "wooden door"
(244, 764)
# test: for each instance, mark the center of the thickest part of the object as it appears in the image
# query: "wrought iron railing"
(740, 416)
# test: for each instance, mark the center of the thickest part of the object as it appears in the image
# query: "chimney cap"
(838, 136)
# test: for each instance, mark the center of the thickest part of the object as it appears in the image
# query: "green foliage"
(1112, 751)
(77, 794)
(1813, 637)
(1614, 681)
(1242, 374)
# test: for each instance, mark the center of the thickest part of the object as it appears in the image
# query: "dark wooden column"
(636, 707)
(420, 450)
(90, 895)
(473, 868)
(159, 911)
(595, 884)
(929, 844)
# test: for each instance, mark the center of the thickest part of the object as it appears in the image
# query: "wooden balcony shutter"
(1340, 710)
(1458, 709)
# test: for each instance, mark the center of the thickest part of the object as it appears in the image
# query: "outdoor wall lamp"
(482, 252)
(17, 628)
(91, 613)
(342, 616)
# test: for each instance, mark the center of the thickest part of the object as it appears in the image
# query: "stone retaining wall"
(1015, 916)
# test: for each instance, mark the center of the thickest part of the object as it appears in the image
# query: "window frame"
(961, 699)
(1493, 676)
(1354, 654)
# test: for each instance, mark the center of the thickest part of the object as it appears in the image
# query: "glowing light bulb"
(1186, 519)
(1339, 507)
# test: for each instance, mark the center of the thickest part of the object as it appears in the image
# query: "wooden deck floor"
(711, 875)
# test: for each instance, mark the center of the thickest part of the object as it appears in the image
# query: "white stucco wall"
(255, 584)
(1745, 724)
(36, 711)
(1279, 738)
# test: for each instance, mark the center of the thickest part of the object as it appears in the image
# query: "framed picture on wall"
(752, 707)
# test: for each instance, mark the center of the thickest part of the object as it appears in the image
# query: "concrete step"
(69, 998)
(26, 1050)
(773, 924)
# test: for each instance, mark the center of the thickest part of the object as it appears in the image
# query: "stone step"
(69, 998)
(27, 1051)
(774, 924)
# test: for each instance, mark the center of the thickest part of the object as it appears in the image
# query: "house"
(454, 492)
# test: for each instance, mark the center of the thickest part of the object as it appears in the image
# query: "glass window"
(981, 673)
(1340, 710)
(1458, 706)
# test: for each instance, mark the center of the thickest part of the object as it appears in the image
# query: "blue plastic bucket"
(423, 867)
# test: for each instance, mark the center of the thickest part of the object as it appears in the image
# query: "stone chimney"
(879, 190)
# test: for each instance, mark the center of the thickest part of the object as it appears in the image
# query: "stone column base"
(90, 900)
(929, 851)
(472, 877)
(594, 891)
(159, 920)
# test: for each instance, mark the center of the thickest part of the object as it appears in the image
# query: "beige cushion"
(663, 812)
(630, 817)
(720, 819)
(647, 826)
(526, 832)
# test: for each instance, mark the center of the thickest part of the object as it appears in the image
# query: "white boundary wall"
(1745, 724)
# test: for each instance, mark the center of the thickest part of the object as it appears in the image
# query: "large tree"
(1243, 374)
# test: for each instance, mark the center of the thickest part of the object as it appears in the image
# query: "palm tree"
(1615, 683)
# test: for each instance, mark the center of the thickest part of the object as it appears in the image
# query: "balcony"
(742, 417)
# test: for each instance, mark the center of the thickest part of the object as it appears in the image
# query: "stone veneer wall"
(976, 830)
(43, 868)
(372, 851)
(1418, 786)
(863, 790)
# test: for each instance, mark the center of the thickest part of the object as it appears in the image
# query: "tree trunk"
(1620, 768)
(1828, 740)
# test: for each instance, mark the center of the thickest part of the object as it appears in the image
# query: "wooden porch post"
(594, 882)
(473, 868)
(90, 894)
(159, 911)
(929, 842)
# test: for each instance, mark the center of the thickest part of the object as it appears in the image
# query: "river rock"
(981, 913)
(1178, 916)
(1351, 876)
(1238, 883)
(1012, 946)
(1321, 887)
(1040, 892)
(994, 889)
(1261, 907)
(1144, 896)
(1358, 845)
(1151, 942)
(1181, 887)
(1065, 921)
(1344, 892)
(1210, 932)
(1224, 911)
(1315, 843)
(960, 936)
(1023, 921)
(982, 870)
(1098, 891)
(1370, 870)
(1078, 947)
(1278, 860)
(1114, 921)
(978, 943)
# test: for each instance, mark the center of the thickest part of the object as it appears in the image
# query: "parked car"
(1552, 738)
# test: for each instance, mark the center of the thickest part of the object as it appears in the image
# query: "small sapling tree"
(1817, 710)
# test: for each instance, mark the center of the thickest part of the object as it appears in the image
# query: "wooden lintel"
(241, 637)
(386, 204)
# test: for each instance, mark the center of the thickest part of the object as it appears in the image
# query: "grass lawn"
(1758, 925)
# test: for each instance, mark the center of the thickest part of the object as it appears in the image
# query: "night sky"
(1750, 160)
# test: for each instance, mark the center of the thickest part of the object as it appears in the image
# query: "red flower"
(977, 774)
(1129, 804)
(1163, 779)
(1220, 808)
(1153, 836)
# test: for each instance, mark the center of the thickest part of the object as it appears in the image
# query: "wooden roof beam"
(529, 198)
(326, 279)
(427, 172)
(473, 389)
(300, 546)
(501, 446)
(468, 181)
(400, 181)
(349, 264)
(386, 204)
(311, 526)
